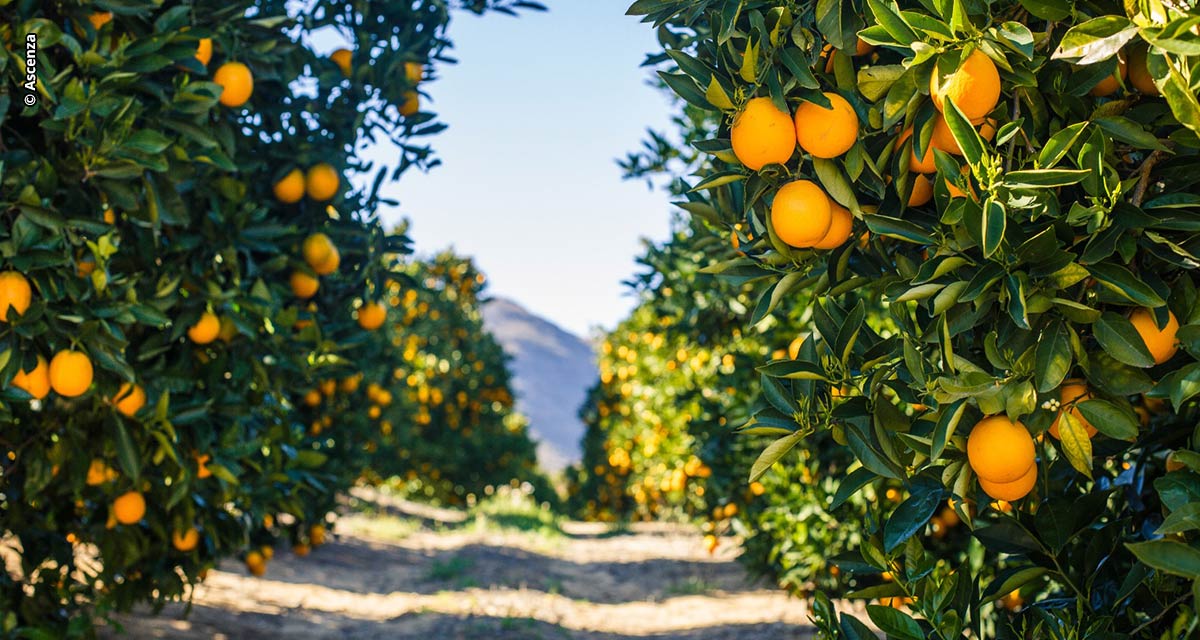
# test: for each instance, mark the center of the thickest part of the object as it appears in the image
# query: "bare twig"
(1167, 608)
(1139, 192)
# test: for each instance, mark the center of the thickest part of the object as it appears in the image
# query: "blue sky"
(538, 108)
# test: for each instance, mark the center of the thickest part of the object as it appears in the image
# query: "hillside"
(552, 371)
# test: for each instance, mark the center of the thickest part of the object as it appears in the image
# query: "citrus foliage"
(1025, 229)
(164, 316)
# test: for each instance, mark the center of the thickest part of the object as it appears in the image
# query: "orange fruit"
(304, 286)
(316, 535)
(371, 316)
(1109, 85)
(100, 18)
(1139, 74)
(1160, 342)
(943, 138)
(202, 470)
(37, 382)
(206, 328)
(98, 473)
(1010, 491)
(129, 507)
(85, 266)
(301, 549)
(341, 58)
(974, 87)
(70, 373)
(956, 192)
(237, 83)
(350, 385)
(839, 228)
(414, 72)
(1173, 463)
(328, 387)
(374, 412)
(826, 133)
(924, 164)
(256, 564)
(204, 51)
(267, 551)
(330, 264)
(763, 135)
(862, 47)
(322, 182)
(312, 398)
(130, 399)
(1000, 450)
(290, 188)
(794, 347)
(15, 294)
(922, 191)
(801, 213)
(317, 249)
(1072, 392)
(185, 540)
(411, 105)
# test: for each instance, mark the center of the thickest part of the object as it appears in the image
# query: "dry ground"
(412, 572)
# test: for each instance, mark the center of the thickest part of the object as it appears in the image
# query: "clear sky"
(538, 108)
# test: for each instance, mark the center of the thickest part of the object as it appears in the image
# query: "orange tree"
(1011, 328)
(162, 309)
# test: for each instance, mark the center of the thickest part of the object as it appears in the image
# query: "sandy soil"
(649, 582)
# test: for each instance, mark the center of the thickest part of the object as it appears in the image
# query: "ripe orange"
(839, 228)
(1010, 491)
(129, 507)
(202, 470)
(763, 135)
(922, 191)
(974, 87)
(374, 412)
(350, 384)
(1072, 392)
(1139, 75)
(206, 328)
(70, 373)
(100, 18)
(1000, 450)
(204, 51)
(98, 473)
(256, 564)
(328, 387)
(341, 58)
(267, 551)
(237, 83)
(322, 182)
(371, 316)
(15, 293)
(185, 540)
(414, 72)
(301, 549)
(794, 347)
(37, 382)
(316, 535)
(826, 133)
(801, 213)
(312, 398)
(1173, 463)
(330, 264)
(130, 399)
(953, 189)
(1109, 85)
(1161, 343)
(304, 286)
(862, 47)
(924, 164)
(411, 105)
(317, 248)
(290, 188)
(943, 138)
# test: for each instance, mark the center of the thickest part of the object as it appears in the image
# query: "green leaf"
(686, 88)
(965, 135)
(1168, 556)
(849, 486)
(1122, 282)
(1011, 579)
(839, 22)
(887, 15)
(1185, 518)
(127, 453)
(716, 95)
(719, 179)
(1095, 40)
(1121, 340)
(912, 515)
(1052, 357)
(995, 221)
(773, 453)
(1109, 419)
(897, 228)
(947, 424)
(1042, 178)
(895, 623)
(1128, 131)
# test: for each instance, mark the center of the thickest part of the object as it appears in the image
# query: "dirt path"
(389, 578)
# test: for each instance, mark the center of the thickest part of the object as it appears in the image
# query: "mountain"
(552, 371)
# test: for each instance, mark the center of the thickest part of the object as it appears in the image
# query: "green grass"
(379, 526)
(449, 569)
(690, 587)
(514, 512)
